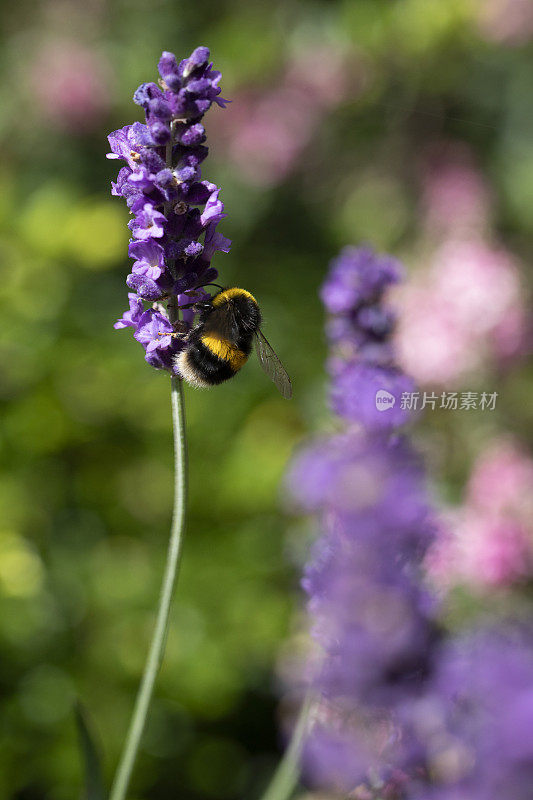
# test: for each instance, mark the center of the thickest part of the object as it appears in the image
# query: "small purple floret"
(148, 224)
(131, 317)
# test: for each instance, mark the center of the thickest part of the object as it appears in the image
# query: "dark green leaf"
(94, 784)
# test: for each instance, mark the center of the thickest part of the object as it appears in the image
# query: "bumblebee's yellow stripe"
(229, 294)
(225, 351)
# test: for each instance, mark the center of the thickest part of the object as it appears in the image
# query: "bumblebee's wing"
(272, 365)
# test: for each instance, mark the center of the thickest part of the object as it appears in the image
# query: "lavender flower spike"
(372, 620)
(173, 240)
(400, 710)
(175, 212)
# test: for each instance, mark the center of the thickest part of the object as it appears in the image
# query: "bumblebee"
(220, 343)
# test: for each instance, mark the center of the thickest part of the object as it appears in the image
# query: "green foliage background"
(85, 481)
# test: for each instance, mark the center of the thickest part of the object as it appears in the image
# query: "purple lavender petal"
(131, 317)
(215, 241)
(148, 224)
(149, 258)
(198, 194)
(214, 208)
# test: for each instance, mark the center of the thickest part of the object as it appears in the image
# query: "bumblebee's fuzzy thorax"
(232, 294)
(241, 306)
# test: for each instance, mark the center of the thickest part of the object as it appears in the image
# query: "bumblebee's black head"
(243, 306)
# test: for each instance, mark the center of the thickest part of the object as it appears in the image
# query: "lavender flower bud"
(168, 69)
(198, 58)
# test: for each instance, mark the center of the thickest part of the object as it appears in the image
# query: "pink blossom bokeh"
(69, 83)
(455, 198)
(488, 541)
(464, 310)
(506, 21)
(267, 131)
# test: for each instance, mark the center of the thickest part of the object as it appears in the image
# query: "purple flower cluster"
(366, 385)
(401, 710)
(372, 619)
(175, 212)
(473, 725)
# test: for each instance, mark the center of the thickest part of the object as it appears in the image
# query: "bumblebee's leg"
(183, 334)
(197, 306)
(181, 328)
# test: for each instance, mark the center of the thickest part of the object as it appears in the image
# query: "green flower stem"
(285, 779)
(157, 647)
